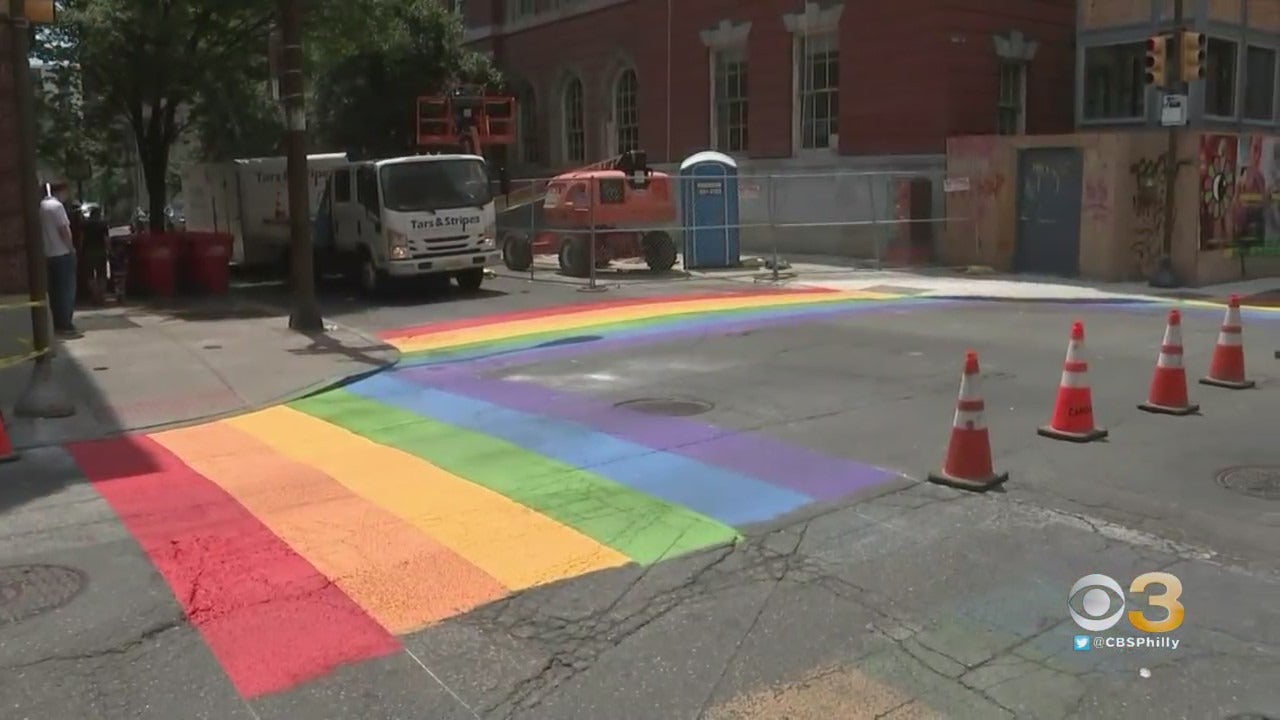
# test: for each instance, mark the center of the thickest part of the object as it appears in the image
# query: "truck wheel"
(517, 252)
(470, 280)
(659, 251)
(575, 257)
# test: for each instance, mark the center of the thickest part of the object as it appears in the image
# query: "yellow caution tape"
(19, 359)
(27, 304)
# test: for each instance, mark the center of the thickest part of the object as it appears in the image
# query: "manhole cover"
(1262, 481)
(30, 590)
(671, 407)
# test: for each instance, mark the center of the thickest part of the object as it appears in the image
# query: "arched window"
(626, 111)
(530, 148)
(575, 132)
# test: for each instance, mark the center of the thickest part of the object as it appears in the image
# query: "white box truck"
(250, 199)
(415, 217)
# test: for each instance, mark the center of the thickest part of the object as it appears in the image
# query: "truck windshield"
(435, 185)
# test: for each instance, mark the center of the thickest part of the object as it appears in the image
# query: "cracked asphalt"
(917, 601)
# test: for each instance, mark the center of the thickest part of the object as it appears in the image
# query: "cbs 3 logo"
(1102, 602)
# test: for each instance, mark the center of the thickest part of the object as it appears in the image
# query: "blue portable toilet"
(709, 211)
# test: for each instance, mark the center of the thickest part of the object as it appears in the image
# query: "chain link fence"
(839, 220)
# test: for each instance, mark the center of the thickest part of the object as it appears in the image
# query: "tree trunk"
(155, 170)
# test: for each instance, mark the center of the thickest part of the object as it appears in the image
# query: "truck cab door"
(339, 194)
(369, 225)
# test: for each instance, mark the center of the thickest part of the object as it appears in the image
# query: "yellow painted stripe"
(574, 321)
(401, 577)
(519, 547)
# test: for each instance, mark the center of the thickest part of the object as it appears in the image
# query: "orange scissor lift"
(621, 203)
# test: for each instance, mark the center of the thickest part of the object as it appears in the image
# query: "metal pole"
(42, 397)
(591, 240)
(773, 229)
(305, 315)
(533, 222)
(1164, 276)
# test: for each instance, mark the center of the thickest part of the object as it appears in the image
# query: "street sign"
(955, 184)
(1173, 110)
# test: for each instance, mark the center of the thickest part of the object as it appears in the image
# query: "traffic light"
(1193, 53)
(1157, 54)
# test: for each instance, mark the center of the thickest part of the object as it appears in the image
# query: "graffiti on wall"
(1150, 179)
(1097, 199)
(1240, 194)
(974, 158)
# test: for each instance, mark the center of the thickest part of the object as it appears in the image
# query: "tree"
(158, 66)
(387, 54)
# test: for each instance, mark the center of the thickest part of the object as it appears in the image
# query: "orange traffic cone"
(7, 453)
(968, 463)
(1073, 412)
(1169, 385)
(1227, 367)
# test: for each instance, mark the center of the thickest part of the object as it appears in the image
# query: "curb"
(328, 384)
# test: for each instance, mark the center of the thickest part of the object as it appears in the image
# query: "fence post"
(771, 209)
(592, 186)
(880, 232)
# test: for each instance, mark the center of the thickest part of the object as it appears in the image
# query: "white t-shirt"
(52, 217)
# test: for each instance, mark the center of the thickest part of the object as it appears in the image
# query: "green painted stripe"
(637, 525)
(518, 340)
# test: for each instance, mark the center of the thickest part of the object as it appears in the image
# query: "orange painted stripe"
(560, 310)
(401, 577)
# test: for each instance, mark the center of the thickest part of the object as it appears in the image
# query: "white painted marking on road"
(440, 682)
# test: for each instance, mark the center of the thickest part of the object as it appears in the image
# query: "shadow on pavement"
(146, 365)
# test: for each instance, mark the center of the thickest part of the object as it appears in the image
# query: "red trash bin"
(155, 266)
(208, 260)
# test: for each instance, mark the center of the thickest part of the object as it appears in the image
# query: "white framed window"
(575, 130)
(1011, 108)
(626, 112)
(530, 148)
(729, 100)
(817, 75)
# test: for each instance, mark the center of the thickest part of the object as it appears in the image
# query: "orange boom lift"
(621, 202)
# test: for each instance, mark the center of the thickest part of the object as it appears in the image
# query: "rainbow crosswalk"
(304, 536)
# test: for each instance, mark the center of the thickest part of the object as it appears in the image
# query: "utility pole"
(1164, 276)
(42, 397)
(305, 315)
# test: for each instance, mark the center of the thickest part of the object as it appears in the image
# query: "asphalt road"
(906, 600)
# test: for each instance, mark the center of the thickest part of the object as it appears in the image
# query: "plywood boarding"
(1097, 14)
(1225, 10)
(1264, 15)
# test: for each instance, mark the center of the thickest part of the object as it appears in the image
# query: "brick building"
(13, 258)
(789, 81)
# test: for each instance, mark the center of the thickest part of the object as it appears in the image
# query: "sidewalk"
(146, 367)
(841, 274)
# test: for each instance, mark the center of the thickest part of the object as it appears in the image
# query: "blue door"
(708, 245)
(1050, 186)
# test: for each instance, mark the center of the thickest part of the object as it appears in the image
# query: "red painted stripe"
(464, 323)
(971, 405)
(272, 620)
(1077, 366)
(1171, 349)
(1232, 329)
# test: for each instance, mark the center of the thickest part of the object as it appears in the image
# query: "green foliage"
(157, 66)
(372, 62)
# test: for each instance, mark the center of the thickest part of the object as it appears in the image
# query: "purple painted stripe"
(819, 476)
(442, 371)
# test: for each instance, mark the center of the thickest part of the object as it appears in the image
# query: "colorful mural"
(1240, 193)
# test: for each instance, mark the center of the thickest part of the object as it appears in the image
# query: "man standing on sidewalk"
(59, 252)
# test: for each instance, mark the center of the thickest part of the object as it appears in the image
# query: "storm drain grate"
(670, 407)
(1260, 481)
(30, 590)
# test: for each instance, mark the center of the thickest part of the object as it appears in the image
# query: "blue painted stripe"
(678, 324)
(730, 497)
